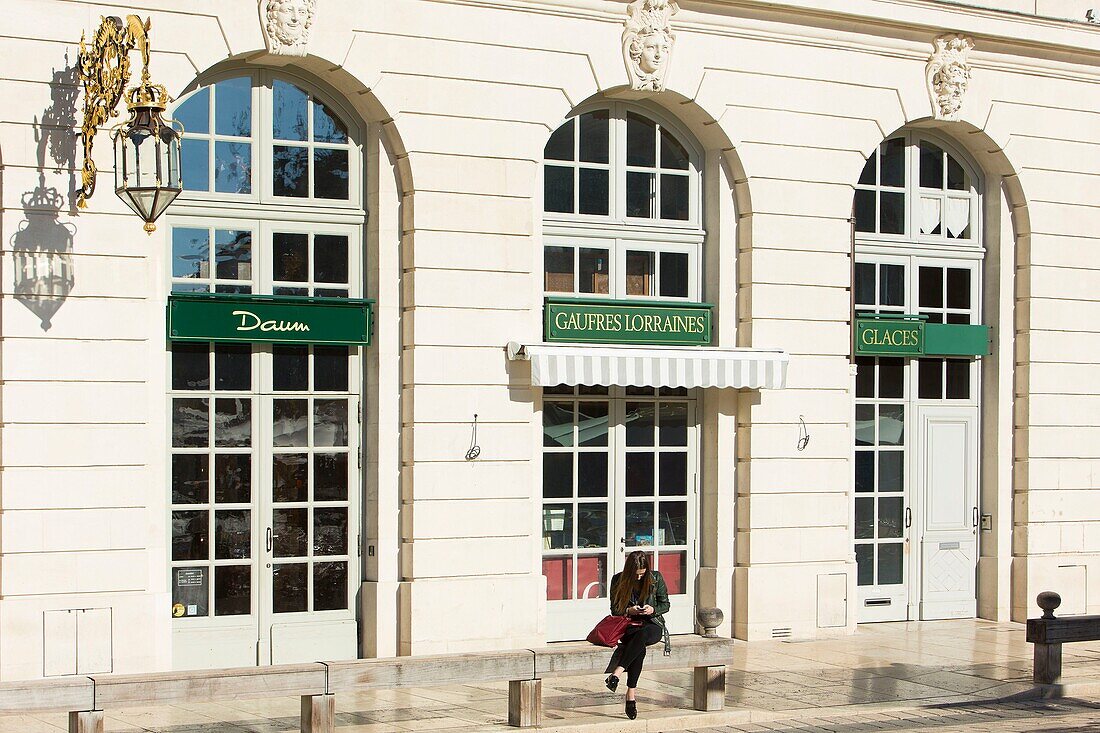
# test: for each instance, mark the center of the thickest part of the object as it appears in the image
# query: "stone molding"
(947, 75)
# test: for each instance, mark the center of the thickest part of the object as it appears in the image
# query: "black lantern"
(147, 154)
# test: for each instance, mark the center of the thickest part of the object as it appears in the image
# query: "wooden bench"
(1049, 633)
(86, 698)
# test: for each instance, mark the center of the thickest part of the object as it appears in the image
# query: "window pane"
(330, 531)
(865, 519)
(673, 419)
(591, 576)
(893, 162)
(557, 424)
(865, 567)
(290, 261)
(289, 588)
(234, 254)
(892, 285)
(288, 112)
(290, 477)
(674, 197)
(560, 145)
(557, 526)
(327, 127)
(330, 423)
(330, 586)
(232, 167)
(195, 162)
(958, 288)
(558, 189)
(233, 107)
(865, 211)
(290, 423)
(190, 484)
(290, 368)
(592, 525)
(557, 475)
(639, 524)
(232, 422)
(233, 367)
(232, 478)
(865, 424)
(330, 174)
(891, 378)
(639, 474)
(931, 287)
(931, 165)
(190, 535)
(889, 516)
(594, 137)
(930, 379)
(639, 273)
(639, 195)
(892, 213)
(592, 424)
(558, 266)
(594, 191)
(233, 590)
(330, 476)
(865, 376)
(864, 284)
(865, 471)
(190, 252)
(330, 368)
(189, 589)
(330, 258)
(639, 423)
(931, 217)
(673, 154)
(958, 379)
(957, 180)
(641, 141)
(594, 271)
(891, 424)
(958, 318)
(232, 534)
(559, 577)
(867, 175)
(190, 423)
(591, 474)
(889, 563)
(290, 176)
(672, 523)
(672, 474)
(890, 476)
(190, 366)
(194, 114)
(290, 530)
(674, 274)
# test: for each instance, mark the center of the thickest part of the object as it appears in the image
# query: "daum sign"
(268, 319)
(911, 336)
(627, 322)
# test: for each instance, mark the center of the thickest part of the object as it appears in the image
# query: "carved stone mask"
(288, 21)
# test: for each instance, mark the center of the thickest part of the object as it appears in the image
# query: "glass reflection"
(289, 586)
(190, 534)
(672, 529)
(557, 424)
(330, 531)
(330, 423)
(592, 424)
(290, 532)
(330, 258)
(330, 476)
(232, 534)
(327, 127)
(291, 423)
(557, 526)
(330, 586)
(591, 525)
(891, 424)
(232, 590)
(639, 524)
(288, 112)
(291, 171)
(234, 254)
(290, 262)
(330, 174)
(639, 423)
(290, 477)
(190, 252)
(233, 478)
(190, 423)
(190, 484)
(233, 107)
(232, 422)
(232, 167)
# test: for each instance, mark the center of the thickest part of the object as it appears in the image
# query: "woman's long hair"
(630, 585)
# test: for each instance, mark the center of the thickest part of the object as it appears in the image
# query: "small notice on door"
(189, 577)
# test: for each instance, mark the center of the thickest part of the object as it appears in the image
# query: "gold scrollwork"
(105, 71)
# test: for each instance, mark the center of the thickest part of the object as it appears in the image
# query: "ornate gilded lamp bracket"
(105, 71)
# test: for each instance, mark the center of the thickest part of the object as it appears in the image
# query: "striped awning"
(652, 366)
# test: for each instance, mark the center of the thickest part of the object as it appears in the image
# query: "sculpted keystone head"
(287, 24)
(648, 41)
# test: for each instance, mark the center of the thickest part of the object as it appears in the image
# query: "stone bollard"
(1047, 663)
(710, 619)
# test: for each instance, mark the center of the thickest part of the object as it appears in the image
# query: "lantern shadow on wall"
(42, 245)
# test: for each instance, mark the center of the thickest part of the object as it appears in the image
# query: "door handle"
(269, 538)
(975, 517)
(908, 517)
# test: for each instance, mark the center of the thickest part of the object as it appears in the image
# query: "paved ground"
(957, 675)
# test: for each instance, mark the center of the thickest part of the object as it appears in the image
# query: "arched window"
(264, 482)
(621, 203)
(918, 260)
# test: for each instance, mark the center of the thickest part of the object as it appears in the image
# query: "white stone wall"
(461, 97)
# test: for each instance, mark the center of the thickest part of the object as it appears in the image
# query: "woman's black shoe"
(612, 682)
(631, 709)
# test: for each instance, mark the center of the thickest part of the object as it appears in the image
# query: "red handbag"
(610, 629)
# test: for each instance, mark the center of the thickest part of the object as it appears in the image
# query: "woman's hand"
(645, 611)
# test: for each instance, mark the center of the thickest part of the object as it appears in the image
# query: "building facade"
(798, 298)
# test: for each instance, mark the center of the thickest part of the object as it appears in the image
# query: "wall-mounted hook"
(475, 449)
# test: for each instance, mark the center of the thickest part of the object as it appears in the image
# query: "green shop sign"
(914, 336)
(594, 321)
(269, 319)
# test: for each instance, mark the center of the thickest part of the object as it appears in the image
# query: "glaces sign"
(627, 322)
(890, 338)
(268, 319)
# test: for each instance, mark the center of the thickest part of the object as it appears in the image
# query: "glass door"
(619, 470)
